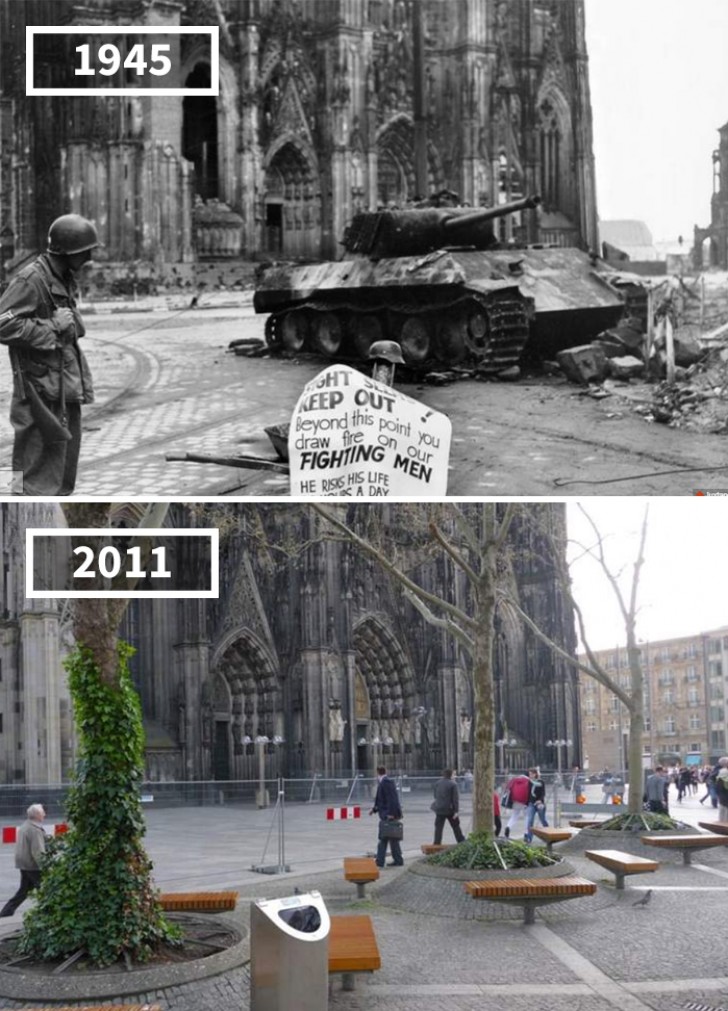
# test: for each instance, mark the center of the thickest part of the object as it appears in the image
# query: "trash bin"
(289, 954)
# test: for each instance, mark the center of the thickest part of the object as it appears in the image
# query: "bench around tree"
(429, 848)
(353, 948)
(551, 836)
(530, 892)
(687, 844)
(360, 871)
(621, 864)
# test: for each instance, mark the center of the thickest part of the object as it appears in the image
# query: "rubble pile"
(698, 401)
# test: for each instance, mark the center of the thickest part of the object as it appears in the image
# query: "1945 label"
(86, 60)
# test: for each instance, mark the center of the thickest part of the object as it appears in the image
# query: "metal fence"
(415, 792)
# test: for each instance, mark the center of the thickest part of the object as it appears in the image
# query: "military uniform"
(41, 349)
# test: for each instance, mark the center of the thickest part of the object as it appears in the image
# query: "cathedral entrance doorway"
(199, 134)
(292, 206)
(221, 751)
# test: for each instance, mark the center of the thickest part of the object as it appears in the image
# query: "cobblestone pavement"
(167, 383)
(590, 954)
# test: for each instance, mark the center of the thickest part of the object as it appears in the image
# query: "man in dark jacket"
(446, 806)
(29, 848)
(387, 806)
(40, 323)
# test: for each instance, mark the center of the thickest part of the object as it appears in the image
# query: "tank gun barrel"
(465, 219)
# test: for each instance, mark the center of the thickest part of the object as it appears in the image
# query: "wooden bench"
(621, 864)
(198, 902)
(687, 844)
(587, 822)
(429, 848)
(352, 948)
(360, 870)
(530, 892)
(552, 835)
(721, 827)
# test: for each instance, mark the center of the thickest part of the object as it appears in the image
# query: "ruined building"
(716, 234)
(326, 107)
(314, 648)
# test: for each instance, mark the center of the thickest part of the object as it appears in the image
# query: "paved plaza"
(592, 954)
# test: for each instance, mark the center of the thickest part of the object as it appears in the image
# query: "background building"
(685, 710)
(316, 648)
(326, 107)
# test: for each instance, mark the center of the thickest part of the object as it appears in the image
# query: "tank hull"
(449, 307)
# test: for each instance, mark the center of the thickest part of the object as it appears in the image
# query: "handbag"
(506, 799)
(391, 829)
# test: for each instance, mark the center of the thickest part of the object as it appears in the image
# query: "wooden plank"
(685, 842)
(552, 834)
(530, 888)
(721, 827)
(626, 863)
(353, 945)
(429, 848)
(360, 869)
(200, 902)
(587, 822)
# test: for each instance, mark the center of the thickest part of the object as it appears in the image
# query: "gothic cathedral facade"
(325, 108)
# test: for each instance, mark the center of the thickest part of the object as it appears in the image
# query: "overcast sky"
(683, 580)
(659, 88)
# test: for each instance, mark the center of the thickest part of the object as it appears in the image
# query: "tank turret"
(380, 234)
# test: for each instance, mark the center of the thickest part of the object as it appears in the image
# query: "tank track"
(499, 348)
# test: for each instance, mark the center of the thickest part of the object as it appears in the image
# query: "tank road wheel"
(326, 333)
(451, 337)
(415, 340)
(477, 330)
(293, 329)
(364, 331)
(272, 332)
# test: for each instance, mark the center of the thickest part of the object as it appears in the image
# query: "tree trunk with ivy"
(97, 896)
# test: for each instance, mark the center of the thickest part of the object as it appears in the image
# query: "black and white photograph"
(504, 219)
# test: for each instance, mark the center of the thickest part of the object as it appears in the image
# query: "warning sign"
(351, 435)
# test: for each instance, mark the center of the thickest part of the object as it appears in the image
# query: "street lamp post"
(558, 744)
(502, 744)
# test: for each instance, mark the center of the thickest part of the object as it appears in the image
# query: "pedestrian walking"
(721, 785)
(536, 803)
(446, 806)
(497, 823)
(41, 326)
(515, 797)
(29, 848)
(387, 806)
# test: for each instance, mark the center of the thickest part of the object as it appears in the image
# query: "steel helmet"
(72, 234)
(390, 351)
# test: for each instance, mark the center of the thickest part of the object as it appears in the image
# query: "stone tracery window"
(550, 151)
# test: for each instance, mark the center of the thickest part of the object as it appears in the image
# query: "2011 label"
(110, 58)
(110, 563)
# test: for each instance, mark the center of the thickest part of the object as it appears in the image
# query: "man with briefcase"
(387, 806)
(40, 323)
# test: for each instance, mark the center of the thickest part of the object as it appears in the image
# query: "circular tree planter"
(226, 943)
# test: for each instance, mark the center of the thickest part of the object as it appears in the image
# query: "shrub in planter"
(645, 822)
(482, 852)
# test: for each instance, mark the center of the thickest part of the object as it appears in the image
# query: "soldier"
(41, 325)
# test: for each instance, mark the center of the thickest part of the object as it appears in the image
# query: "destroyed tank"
(435, 280)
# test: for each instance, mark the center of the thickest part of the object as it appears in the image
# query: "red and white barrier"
(342, 813)
(10, 832)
